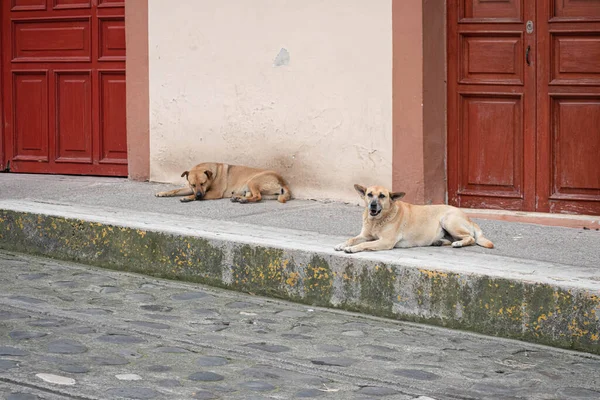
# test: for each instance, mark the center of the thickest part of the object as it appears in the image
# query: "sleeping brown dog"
(389, 222)
(209, 181)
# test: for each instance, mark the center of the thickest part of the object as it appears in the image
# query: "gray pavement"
(69, 331)
(560, 246)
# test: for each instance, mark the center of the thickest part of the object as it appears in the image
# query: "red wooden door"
(524, 105)
(491, 105)
(63, 70)
(568, 106)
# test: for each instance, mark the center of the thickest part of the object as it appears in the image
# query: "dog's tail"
(285, 194)
(480, 239)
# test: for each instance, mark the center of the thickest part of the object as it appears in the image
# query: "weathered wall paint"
(538, 313)
(301, 87)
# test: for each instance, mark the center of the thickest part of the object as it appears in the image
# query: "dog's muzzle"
(374, 209)
(199, 195)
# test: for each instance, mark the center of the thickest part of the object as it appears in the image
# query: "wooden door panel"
(575, 148)
(111, 3)
(43, 40)
(575, 58)
(490, 146)
(478, 10)
(27, 5)
(30, 113)
(113, 147)
(73, 117)
(579, 9)
(111, 39)
(70, 4)
(491, 57)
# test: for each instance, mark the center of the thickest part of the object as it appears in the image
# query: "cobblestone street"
(72, 331)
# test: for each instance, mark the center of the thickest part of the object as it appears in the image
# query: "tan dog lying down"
(209, 181)
(389, 223)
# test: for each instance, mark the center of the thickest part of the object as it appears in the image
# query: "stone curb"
(540, 312)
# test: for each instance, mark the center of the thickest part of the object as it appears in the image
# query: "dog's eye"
(369, 194)
(382, 196)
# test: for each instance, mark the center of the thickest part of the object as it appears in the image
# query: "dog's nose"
(199, 195)
(373, 206)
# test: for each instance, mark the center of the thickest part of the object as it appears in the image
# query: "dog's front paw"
(340, 247)
(160, 194)
(349, 249)
(234, 199)
(185, 200)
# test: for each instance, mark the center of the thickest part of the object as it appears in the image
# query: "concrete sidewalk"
(540, 284)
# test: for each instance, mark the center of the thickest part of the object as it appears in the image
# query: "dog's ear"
(360, 189)
(185, 173)
(208, 173)
(397, 195)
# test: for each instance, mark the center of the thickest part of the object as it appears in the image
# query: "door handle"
(527, 55)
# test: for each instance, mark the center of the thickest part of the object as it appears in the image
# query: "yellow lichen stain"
(594, 337)
(319, 272)
(501, 311)
(510, 310)
(433, 274)
(576, 330)
(141, 233)
(292, 279)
